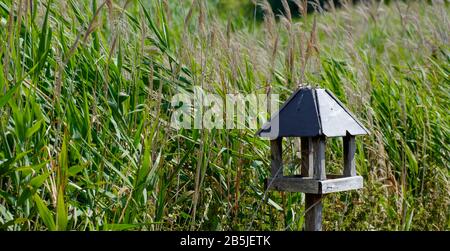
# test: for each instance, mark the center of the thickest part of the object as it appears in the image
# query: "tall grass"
(84, 114)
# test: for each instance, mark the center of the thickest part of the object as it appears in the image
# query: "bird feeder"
(314, 115)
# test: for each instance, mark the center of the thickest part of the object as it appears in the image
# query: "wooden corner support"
(307, 168)
(276, 151)
(349, 156)
(319, 158)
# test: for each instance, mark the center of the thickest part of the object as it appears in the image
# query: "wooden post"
(307, 169)
(313, 217)
(276, 158)
(349, 156)
(313, 202)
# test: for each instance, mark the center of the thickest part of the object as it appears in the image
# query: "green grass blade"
(44, 213)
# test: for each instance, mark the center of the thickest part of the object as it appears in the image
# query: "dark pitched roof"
(312, 112)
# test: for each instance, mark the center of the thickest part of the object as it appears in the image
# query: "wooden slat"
(349, 156)
(276, 157)
(294, 184)
(313, 186)
(307, 169)
(319, 158)
(341, 184)
(313, 217)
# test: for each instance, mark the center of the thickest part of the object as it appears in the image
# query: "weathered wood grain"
(312, 186)
(319, 158)
(276, 158)
(307, 168)
(313, 215)
(341, 184)
(349, 156)
(294, 184)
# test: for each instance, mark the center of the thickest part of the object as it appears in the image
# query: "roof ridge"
(319, 117)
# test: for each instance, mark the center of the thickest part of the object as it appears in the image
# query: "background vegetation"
(84, 91)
